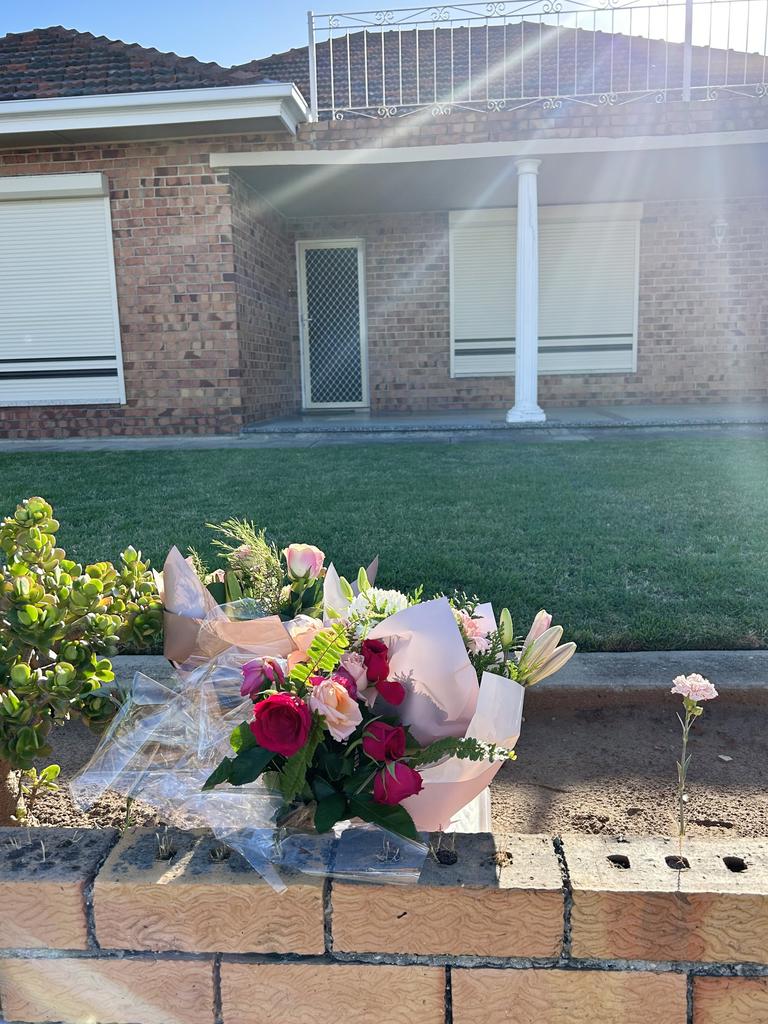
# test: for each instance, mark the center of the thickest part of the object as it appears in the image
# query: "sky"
(226, 31)
(235, 31)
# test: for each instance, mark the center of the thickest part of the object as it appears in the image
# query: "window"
(588, 274)
(59, 329)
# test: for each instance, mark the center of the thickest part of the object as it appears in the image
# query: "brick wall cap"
(134, 859)
(590, 870)
(486, 860)
(52, 854)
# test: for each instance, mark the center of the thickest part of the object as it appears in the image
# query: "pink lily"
(540, 625)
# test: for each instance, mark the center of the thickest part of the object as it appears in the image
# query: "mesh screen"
(333, 312)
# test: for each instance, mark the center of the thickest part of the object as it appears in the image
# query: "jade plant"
(59, 624)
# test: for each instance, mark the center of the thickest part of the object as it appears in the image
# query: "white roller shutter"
(588, 274)
(59, 329)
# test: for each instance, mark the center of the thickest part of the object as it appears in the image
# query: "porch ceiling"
(352, 184)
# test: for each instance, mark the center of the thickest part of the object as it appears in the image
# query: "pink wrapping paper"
(427, 654)
(450, 786)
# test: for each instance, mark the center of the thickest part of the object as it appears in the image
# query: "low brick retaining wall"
(97, 928)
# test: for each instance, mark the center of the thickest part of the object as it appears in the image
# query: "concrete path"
(595, 678)
(558, 418)
(319, 439)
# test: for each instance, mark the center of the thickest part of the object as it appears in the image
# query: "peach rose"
(302, 630)
(303, 560)
(341, 712)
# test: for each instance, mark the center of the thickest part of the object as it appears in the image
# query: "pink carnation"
(695, 687)
(475, 634)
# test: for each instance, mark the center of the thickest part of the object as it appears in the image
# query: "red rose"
(376, 658)
(396, 782)
(384, 742)
(391, 690)
(281, 723)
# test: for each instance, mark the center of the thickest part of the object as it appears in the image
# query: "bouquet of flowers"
(377, 694)
(309, 702)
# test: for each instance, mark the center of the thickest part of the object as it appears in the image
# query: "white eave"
(154, 114)
(456, 176)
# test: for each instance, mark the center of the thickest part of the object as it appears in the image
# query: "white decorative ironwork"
(508, 54)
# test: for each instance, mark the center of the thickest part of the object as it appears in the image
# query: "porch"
(592, 417)
(515, 278)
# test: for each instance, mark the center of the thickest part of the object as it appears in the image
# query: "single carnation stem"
(682, 772)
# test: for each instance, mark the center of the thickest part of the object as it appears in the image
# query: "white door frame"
(332, 243)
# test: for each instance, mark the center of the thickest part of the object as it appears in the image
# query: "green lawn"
(632, 544)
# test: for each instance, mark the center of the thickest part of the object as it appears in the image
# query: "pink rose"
(342, 676)
(261, 674)
(384, 742)
(302, 630)
(341, 712)
(281, 722)
(304, 560)
(396, 782)
(354, 666)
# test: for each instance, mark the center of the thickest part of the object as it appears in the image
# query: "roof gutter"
(143, 109)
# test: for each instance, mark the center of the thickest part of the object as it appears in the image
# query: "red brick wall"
(520, 929)
(172, 228)
(703, 312)
(206, 280)
(265, 278)
(571, 120)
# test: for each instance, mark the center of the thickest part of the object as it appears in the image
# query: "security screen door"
(332, 325)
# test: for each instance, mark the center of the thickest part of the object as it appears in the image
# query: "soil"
(607, 770)
(612, 770)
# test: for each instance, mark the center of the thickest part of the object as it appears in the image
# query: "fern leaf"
(293, 774)
(324, 653)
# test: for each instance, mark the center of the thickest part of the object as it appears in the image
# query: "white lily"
(543, 657)
(554, 664)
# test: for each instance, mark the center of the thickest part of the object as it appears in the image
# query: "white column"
(526, 408)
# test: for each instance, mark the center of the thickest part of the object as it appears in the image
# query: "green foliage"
(32, 784)
(329, 810)
(293, 775)
(242, 738)
(253, 566)
(246, 766)
(59, 622)
(324, 654)
(465, 748)
(249, 764)
(394, 818)
(220, 774)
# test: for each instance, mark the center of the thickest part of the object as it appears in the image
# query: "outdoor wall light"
(719, 229)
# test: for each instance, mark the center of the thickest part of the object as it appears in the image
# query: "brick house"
(466, 212)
